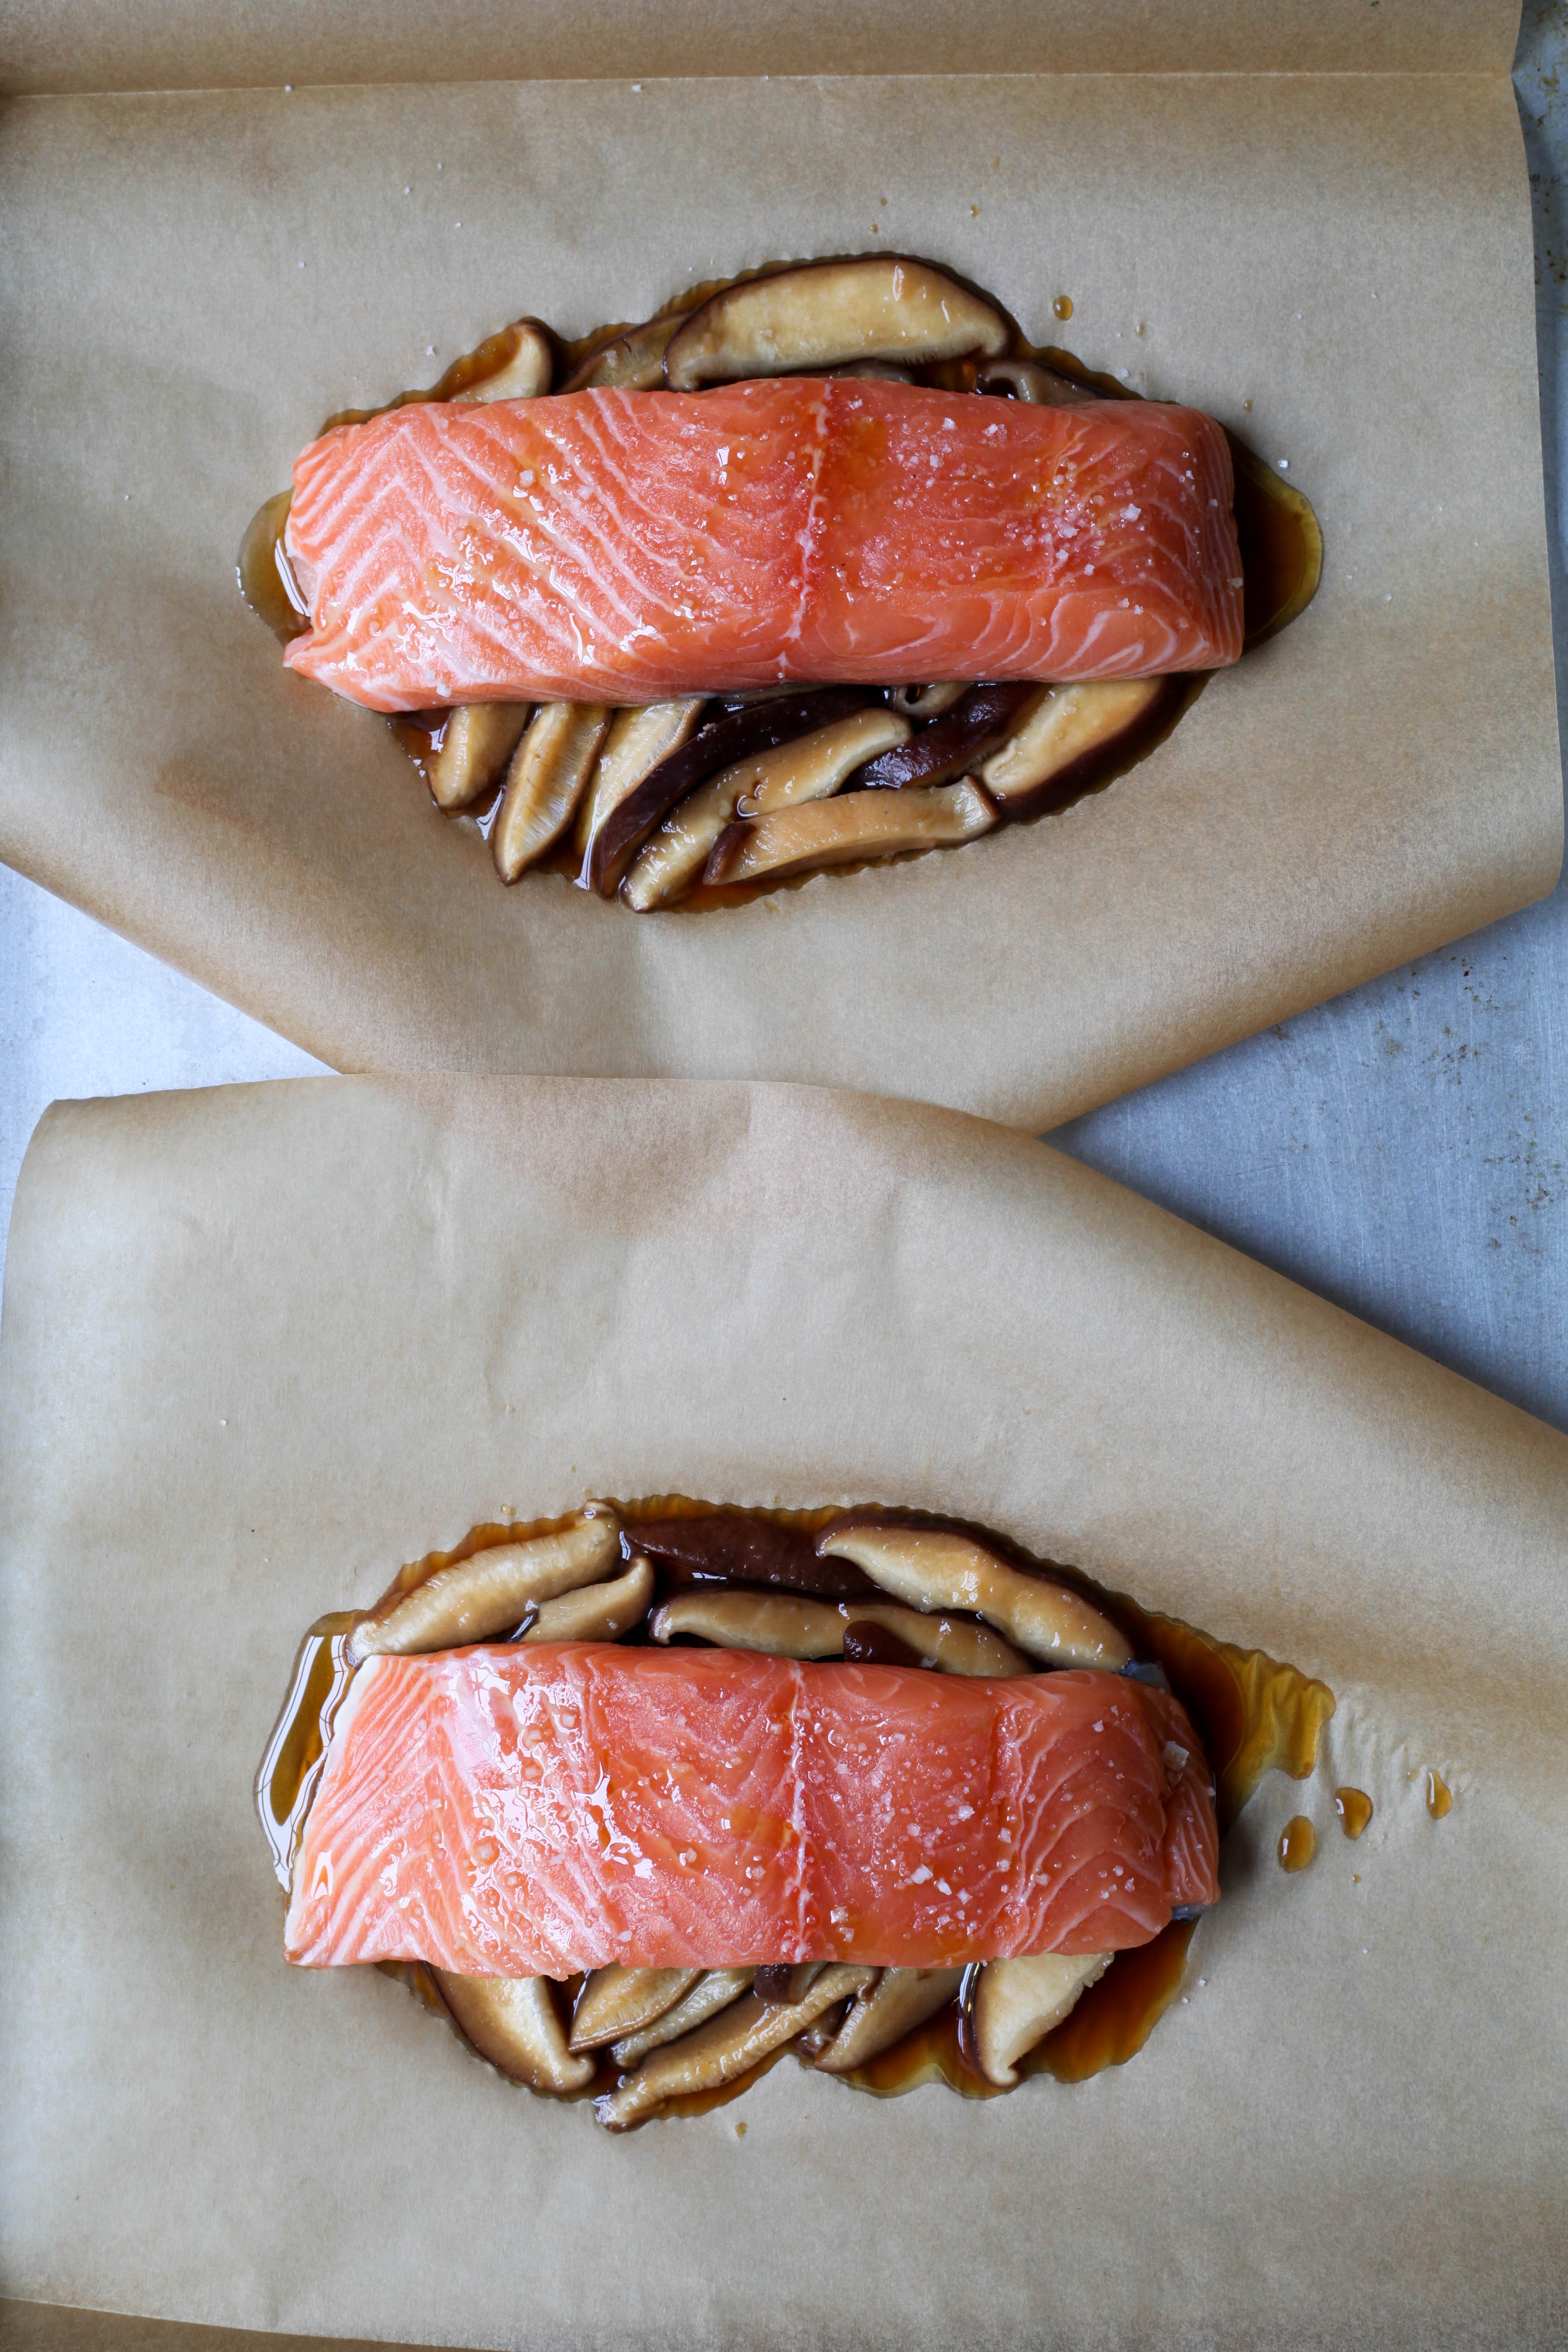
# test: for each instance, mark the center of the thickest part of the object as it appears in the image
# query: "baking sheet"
(195, 280)
(261, 1346)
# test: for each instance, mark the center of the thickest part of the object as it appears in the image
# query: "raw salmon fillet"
(533, 1811)
(625, 547)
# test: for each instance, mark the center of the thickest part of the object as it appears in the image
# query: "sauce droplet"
(1439, 1796)
(1298, 1843)
(1062, 306)
(740, 2131)
(1353, 1806)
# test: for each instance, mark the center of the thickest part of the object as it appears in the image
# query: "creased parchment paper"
(261, 1347)
(1337, 266)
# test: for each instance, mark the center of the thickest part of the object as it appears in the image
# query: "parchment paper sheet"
(193, 281)
(261, 1346)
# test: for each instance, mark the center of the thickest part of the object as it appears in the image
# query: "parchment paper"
(259, 1347)
(193, 281)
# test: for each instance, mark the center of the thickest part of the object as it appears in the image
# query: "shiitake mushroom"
(831, 314)
(858, 825)
(476, 1598)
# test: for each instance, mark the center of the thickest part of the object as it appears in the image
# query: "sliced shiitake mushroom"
(547, 778)
(476, 1598)
(477, 739)
(636, 742)
(1008, 2006)
(898, 2000)
(808, 768)
(824, 314)
(518, 363)
(632, 360)
(983, 718)
(1069, 735)
(714, 1990)
(595, 1612)
(929, 701)
(786, 1981)
(732, 1548)
(512, 2021)
(955, 1644)
(783, 1624)
(729, 2045)
(938, 1567)
(843, 831)
(738, 735)
(1028, 380)
(616, 2001)
(867, 1644)
(875, 372)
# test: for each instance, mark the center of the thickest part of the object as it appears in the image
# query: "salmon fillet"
(533, 1810)
(625, 547)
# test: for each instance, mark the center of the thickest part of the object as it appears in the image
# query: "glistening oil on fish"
(644, 1799)
(609, 590)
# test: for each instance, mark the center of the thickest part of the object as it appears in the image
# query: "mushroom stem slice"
(826, 314)
(842, 832)
(511, 2020)
(548, 776)
(616, 2001)
(714, 1990)
(477, 741)
(783, 1624)
(596, 1613)
(936, 1567)
(630, 362)
(899, 1999)
(1067, 735)
(1028, 380)
(485, 1595)
(981, 720)
(636, 742)
(954, 1644)
(1008, 2006)
(807, 768)
(729, 2045)
(515, 364)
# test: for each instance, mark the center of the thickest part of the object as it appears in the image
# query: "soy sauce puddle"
(1253, 1714)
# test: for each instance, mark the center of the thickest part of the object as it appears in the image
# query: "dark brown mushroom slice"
(715, 1989)
(474, 742)
(953, 744)
(867, 1644)
(1007, 2007)
(787, 1982)
(1067, 739)
(827, 314)
(779, 1625)
(736, 736)
(847, 831)
(899, 1999)
(618, 2002)
(933, 1568)
(632, 360)
(1029, 379)
(513, 2022)
(547, 779)
(732, 1548)
(728, 2046)
(478, 1598)
(637, 741)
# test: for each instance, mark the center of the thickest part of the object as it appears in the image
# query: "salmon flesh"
(626, 547)
(531, 1811)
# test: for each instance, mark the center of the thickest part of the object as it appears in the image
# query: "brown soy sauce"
(1253, 1714)
(1281, 539)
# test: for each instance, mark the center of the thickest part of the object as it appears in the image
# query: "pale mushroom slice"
(824, 314)
(515, 364)
(632, 360)
(636, 742)
(954, 1644)
(618, 2001)
(1028, 380)
(596, 1613)
(512, 2021)
(810, 767)
(547, 778)
(899, 1999)
(842, 832)
(487, 1594)
(1011, 2005)
(729, 2045)
(714, 1990)
(1070, 733)
(930, 701)
(938, 1567)
(477, 741)
(785, 1625)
